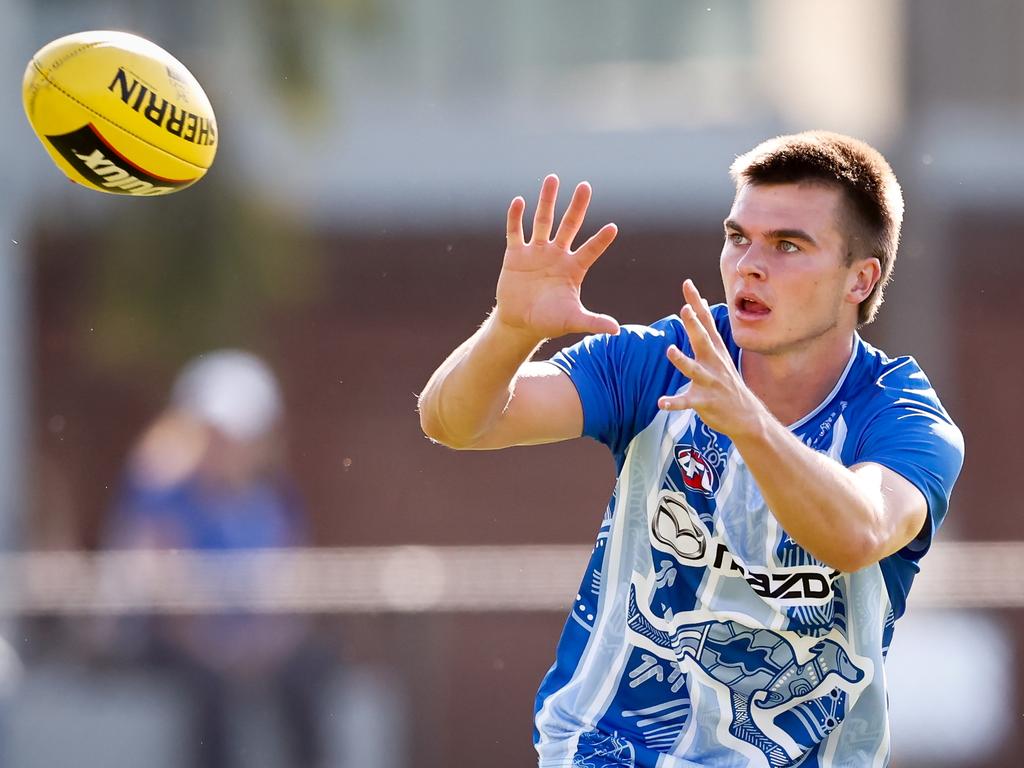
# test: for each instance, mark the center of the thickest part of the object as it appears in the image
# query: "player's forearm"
(467, 394)
(827, 509)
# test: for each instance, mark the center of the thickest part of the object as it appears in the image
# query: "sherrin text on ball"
(119, 114)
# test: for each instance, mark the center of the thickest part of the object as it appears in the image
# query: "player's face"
(784, 267)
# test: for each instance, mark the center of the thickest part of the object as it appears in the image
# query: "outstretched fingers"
(514, 226)
(596, 245)
(700, 339)
(572, 221)
(544, 218)
(688, 366)
(698, 375)
(702, 313)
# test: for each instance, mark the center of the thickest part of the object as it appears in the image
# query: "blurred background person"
(208, 474)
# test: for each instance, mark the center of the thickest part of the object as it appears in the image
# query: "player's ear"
(864, 276)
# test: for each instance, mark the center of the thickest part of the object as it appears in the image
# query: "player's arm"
(488, 393)
(848, 518)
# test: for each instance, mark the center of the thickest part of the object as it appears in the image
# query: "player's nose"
(751, 262)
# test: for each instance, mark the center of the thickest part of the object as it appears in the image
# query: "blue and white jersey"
(702, 634)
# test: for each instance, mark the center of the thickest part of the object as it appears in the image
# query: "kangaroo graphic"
(759, 667)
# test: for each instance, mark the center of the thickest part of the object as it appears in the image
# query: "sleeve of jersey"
(620, 378)
(916, 439)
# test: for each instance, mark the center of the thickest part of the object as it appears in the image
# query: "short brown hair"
(872, 193)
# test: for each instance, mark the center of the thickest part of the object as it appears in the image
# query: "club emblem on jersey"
(698, 473)
(674, 526)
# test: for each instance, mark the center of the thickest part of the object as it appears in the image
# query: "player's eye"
(736, 238)
(787, 247)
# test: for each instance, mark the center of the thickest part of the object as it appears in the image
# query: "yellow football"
(119, 114)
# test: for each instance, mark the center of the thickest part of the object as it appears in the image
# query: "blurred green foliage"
(289, 45)
(196, 270)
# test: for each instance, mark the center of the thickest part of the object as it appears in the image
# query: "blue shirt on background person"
(208, 476)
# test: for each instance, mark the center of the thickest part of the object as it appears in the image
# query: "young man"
(779, 479)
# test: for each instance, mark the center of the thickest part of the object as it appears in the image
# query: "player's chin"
(752, 339)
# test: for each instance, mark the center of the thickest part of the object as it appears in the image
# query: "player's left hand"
(716, 391)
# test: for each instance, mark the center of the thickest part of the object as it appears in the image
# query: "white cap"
(231, 390)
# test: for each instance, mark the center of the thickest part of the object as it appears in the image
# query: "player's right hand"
(538, 291)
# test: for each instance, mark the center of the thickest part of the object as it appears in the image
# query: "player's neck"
(792, 384)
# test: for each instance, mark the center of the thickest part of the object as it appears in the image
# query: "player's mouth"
(750, 308)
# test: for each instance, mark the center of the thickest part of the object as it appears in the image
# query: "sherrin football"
(119, 114)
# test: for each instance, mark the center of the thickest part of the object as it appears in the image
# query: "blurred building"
(351, 231)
